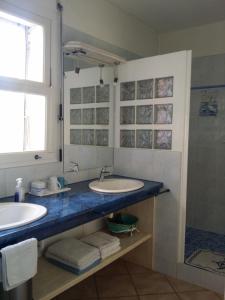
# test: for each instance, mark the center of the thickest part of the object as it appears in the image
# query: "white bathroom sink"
(18, 214)
(116, 185)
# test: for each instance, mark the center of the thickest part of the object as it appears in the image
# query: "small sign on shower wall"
(208, 108)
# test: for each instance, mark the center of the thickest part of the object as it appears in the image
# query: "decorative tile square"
(75, 96)
(127, 138)
(75, 116)
(102, 115)
(88, 116)
(88, 137)
(163, 113)
(89, 94)
(102, 93)
(144, 138)
(163, 139)
(75, 136)
(145, 89)
(102, 137)
(127, 91)
(127, 115)
(144, 114)
(164, 87)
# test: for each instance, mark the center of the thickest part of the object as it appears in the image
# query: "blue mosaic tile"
(163, 113)
(75, 96)
(88, 137)
(127, 138)
(145, 89)
(75, 136)
(102, 137)
(88, 116)
(127, 91)
(163, 139)
(89, 94)
(103, 93)
(75, 116)
(127, 115)
(164, 87)
(199, 239)
(144, 114)
(102, 116)
(144, 138)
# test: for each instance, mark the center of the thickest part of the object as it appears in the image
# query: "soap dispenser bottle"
(20, 192)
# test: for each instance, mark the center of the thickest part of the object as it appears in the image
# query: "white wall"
(167, 166)
(203, 40)
(106, 22)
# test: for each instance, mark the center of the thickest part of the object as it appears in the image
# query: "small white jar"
(38, 188)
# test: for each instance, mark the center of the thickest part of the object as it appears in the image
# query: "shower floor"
(199, 239)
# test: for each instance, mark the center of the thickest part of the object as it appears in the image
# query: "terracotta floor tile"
(121, 298)
(182, 286)
(151, 284)
(160, 297)
(136, 269)
(84, 290)
(116, 268)
(115, 286)
(221, 297)
(201, 295)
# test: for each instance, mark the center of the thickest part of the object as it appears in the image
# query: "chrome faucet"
(104, 173)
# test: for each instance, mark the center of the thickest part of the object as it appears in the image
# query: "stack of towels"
(106, 243)
(73, 255)
(79, 256)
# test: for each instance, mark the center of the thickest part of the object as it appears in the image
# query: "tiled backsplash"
(146, 122)
(89, 122)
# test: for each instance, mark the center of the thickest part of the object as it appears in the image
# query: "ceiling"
(169, 15)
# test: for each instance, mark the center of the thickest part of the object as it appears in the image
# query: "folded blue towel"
(73, 269)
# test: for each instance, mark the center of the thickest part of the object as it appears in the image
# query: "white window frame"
(31, 87)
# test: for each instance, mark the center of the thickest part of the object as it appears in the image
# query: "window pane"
(22, 48)
(35, 55)
(12, 50)
(35, 122)
(11, 122)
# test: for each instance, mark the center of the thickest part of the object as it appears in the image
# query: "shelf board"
(52, 281)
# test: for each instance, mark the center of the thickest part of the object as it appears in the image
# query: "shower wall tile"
(102, 137)
(127, 138)
(163, 139)
(102, 116)
(88, 137)
(144, 114)
(127, 115)
(145, 89)
(75, 136)
(127, 91)
(88, 116)
(102, 93)
(163, 114)
(75, 116)
(144, 138)
(89, 94)
(75, 96)
(164, 87)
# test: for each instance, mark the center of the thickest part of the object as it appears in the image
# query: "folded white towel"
(19, 263)
(107, 252)
(101, 240)
(74, 252)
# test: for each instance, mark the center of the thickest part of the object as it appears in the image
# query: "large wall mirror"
(89, 104)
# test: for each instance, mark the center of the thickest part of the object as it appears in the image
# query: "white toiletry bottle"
(20, 192)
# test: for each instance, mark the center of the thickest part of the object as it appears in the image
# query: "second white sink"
(116, 185)
(18, 214)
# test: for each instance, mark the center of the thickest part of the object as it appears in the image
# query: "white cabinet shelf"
(52, 281)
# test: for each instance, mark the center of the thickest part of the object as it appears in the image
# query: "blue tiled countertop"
(70, 209)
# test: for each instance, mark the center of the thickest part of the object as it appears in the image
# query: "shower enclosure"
(205, 232)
